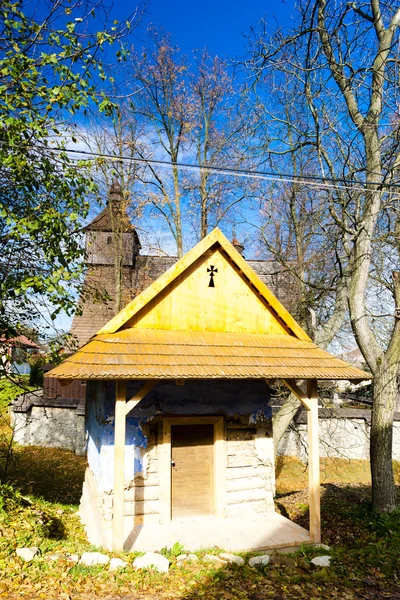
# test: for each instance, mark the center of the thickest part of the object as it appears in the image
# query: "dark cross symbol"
(212, 272)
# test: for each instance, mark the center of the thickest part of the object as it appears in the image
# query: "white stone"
(212, 558)
(260, 561)
(117, 563)
(186, 558)
(322, 561)
(90, 559)
(322, 547)
(27, 554)
(232, 558)
(73, 558)
(181, 558)
(152, 560)
(193, 557)
(54, 556)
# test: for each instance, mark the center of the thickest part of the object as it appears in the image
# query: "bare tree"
(164, 109)
(223, 120)
(345, 58)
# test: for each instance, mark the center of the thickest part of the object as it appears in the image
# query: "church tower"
(112, 250)
(109, 230)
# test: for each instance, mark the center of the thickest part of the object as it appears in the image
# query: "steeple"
(237, 245)
(102, 232)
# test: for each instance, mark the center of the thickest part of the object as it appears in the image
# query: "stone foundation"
(36, 424)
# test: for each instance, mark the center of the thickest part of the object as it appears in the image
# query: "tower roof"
(114, 213)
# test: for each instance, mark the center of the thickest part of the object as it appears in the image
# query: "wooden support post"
(164, 459)
(298, 392)
(219, 468)
(119, 466)
(134, 401)
(313, 463)
(310, 401)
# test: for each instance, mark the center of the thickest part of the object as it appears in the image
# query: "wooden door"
(192, 470)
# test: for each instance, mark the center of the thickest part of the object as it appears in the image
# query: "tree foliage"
(50, 74)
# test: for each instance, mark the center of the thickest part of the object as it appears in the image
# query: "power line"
(314, 180)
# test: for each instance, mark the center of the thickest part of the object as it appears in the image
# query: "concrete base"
(240, 534)
(246, 532)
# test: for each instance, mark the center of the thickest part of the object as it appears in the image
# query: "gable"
(242, 296)
(190, 303)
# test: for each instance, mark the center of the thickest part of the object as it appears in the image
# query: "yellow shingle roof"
(164, 354)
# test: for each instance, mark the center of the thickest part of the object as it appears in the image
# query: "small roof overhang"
(165, 354)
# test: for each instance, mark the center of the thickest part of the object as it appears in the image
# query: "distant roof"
(24, 402)
(20, 340)
(163, 354)
(113, 214)
(105, 221)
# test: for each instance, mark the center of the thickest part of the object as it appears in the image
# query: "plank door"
(192, 464)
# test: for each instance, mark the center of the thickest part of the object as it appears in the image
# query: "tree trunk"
(385, 395)
(178, 218)
(283, 418)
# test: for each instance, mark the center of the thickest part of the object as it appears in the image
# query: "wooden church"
(179, 429)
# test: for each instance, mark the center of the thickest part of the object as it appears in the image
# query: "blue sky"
(218, 25)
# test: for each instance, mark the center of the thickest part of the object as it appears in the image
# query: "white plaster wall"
(49, 427)
(339, 438)
(20, 423)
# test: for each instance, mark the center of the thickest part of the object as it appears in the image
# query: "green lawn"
(11, 387)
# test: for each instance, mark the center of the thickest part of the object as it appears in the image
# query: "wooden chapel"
(179, 421)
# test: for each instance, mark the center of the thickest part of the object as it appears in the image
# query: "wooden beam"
(219, 468)
(130, 404)
(119, 465)
(298, 392)
(313, 463)
(164, 462)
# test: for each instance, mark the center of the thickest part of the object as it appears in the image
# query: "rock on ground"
(90, 559)
(260, 561)
(73, 558)
(27, 554)
(152, 560)
(117, 563)
(211, 558)
(193, 557)
(232, 558)
(186, 558)
(322, 547)
(321, 561)
(181, 558)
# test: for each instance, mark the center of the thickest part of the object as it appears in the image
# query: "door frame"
(165, 473)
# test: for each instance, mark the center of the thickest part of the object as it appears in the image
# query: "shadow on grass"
(49, 473)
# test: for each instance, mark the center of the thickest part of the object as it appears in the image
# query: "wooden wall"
(250, 474)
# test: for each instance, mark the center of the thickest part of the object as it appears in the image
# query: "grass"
(11, 387)
(40, 510)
